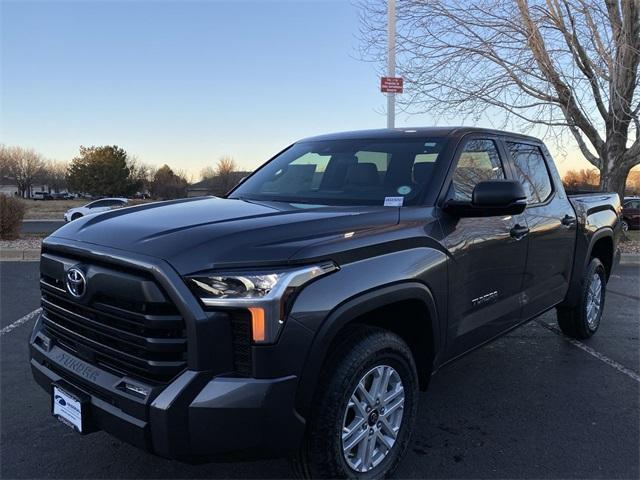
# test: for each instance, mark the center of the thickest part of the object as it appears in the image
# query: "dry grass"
(50, 209)
(54, 209)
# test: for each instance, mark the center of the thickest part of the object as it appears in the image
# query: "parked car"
(303, 313)
(630, 213)
(42, 196)
(101, 205)
(59, 196)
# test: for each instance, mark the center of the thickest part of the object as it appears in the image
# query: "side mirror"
(490, 199)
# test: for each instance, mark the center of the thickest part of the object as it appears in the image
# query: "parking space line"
(626, 295)
(20, 321)
(603, 358)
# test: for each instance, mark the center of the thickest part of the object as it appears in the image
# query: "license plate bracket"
(70, 406)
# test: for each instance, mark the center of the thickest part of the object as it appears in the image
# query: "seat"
(422, 172)
(362, 175)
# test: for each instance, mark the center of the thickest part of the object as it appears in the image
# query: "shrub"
(11, 214)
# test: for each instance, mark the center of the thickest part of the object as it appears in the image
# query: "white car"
(96, 206)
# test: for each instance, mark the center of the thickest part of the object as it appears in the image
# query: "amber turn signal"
(257, 324)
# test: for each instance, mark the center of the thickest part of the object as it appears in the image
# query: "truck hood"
(203, 233)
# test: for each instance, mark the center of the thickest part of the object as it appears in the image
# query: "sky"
(185, 82)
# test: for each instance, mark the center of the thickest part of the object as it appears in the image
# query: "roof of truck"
(415, 132)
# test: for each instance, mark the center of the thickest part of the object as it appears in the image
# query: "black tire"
(625, 225)
(76, 216)
(573, 321)
(362, 349)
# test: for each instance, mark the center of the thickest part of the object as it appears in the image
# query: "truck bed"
(590, 203)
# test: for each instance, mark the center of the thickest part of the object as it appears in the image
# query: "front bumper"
(195, 417)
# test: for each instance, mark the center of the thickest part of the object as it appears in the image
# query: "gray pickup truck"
(302, 314)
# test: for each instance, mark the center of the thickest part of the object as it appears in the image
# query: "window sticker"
(404, 190)
(393, 201)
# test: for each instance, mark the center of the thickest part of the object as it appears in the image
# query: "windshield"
(347, 172)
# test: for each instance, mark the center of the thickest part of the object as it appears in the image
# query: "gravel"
(21, 244)
(632, 246)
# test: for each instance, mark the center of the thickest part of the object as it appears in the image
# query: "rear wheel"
(364, 411)
(583, 320)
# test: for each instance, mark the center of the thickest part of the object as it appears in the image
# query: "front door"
(488, 255)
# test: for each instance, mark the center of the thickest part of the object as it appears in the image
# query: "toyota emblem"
(76, 282)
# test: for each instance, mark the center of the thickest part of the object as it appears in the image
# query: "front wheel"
(364, 410)
(76, 216)
(583, 320)
(625, 226)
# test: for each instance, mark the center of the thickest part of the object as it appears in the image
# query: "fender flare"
(573, 294)
(605, 232)
(348, 311)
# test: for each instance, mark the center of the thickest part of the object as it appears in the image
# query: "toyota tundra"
(302, 313)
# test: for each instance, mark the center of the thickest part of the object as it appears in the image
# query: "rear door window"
(531, 169)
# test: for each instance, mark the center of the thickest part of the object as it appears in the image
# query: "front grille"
(126, 336)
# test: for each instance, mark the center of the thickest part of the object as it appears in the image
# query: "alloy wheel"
(594, 301)
(372, 418)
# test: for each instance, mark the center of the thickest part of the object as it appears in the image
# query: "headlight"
(236, 286)
(263, 294)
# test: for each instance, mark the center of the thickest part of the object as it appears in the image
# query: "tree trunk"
(614, 180)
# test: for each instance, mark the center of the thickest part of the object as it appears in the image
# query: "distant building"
(8, 186)
(199, 189)
(213, 186)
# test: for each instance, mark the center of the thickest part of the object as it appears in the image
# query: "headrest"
(422, 171)
(363, 174)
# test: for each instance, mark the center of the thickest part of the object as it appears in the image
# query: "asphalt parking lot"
(530, 405)
(40, 226)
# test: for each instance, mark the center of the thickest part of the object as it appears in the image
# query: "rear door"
(552, 228)
(99, 206)
(487, 256)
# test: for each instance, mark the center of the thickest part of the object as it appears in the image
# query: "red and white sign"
(391, 85)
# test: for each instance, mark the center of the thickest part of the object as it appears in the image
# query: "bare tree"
(23, 165)
(5, 160)
(142, 175)
(208, 173)
(54, 174)
(225, 171)
(566, 65)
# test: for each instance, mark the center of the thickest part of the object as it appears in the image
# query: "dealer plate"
(67, 408)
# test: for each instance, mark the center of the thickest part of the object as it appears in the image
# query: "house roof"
(7, 181)
(201, 185)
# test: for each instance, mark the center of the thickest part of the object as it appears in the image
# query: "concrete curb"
(39, 220)
(25, 255)
(630, 259)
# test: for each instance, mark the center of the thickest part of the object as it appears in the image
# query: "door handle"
(568, 221)
(518, 232)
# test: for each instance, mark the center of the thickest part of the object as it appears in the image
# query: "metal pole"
(391, 60)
